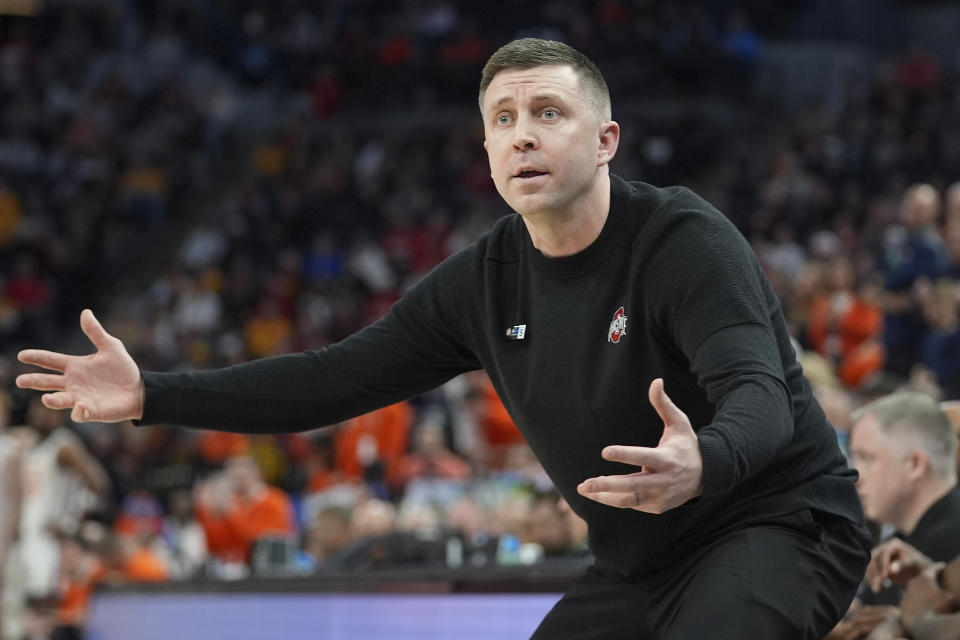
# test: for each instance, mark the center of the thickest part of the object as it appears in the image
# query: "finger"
(875, 577)
(663, 405)
(80, 413)
(45, 359)
(638, 456)
(878, 568)
(41, 381)
(619, 484)
(59, 400)
(620, 500)
(94, 330)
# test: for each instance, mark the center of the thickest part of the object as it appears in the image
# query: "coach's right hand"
(104, 386)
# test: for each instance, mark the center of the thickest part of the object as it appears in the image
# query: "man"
(747, 525)
(905, 450)
(912, 252)
(249, 510)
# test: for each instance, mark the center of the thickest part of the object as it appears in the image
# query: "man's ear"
(608, 142)
(917, 464)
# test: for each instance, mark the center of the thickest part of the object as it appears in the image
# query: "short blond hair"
(527, 53)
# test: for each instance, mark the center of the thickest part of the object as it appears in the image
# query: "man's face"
(883, 485)
(544, 140)
(244, 475)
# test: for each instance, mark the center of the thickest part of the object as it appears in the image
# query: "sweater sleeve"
(717, 312)
(422, 342)
(753, 420)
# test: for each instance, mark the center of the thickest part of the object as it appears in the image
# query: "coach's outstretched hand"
(672, 472)
(104, 386)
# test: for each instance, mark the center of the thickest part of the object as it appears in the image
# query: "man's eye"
(503, 118)
(550, 114)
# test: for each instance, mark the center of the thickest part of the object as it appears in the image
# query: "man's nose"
(523, 135)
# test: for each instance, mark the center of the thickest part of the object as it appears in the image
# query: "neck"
(925, 499)
(556, 234)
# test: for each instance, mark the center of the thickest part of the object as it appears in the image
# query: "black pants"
(787, 579)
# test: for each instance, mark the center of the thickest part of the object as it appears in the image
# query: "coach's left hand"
(671, 473)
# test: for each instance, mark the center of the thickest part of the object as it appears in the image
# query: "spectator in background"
(369, 445)
(126, 560)
(940, 353)
(904, 448)
(184, 540)
(372, 518)
(548, 527)
(951, 233)
(512, 512)
(467, 516)
(840, 320)
(80, 572)
(430, 458)
(912, 252)
(905, 451)
(496, 430)
(807, 286)
(373, 525)
(237, 508)
(138, 562)
(327, 535)
(138, 529)
(319, 464)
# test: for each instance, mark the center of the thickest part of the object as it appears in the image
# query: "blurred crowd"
(223, 181)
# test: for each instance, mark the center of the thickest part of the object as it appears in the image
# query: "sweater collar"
(596, 252)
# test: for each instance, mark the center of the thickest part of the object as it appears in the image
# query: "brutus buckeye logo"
(618, 328)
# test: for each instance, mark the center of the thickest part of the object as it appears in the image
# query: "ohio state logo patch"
(618, 328)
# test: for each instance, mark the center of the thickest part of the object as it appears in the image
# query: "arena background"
(221, 180)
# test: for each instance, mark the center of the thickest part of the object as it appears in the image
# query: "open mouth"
(530, 173)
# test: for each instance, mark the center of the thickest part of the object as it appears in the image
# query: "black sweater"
(669, 289)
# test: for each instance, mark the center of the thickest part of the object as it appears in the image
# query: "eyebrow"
(540, 97)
